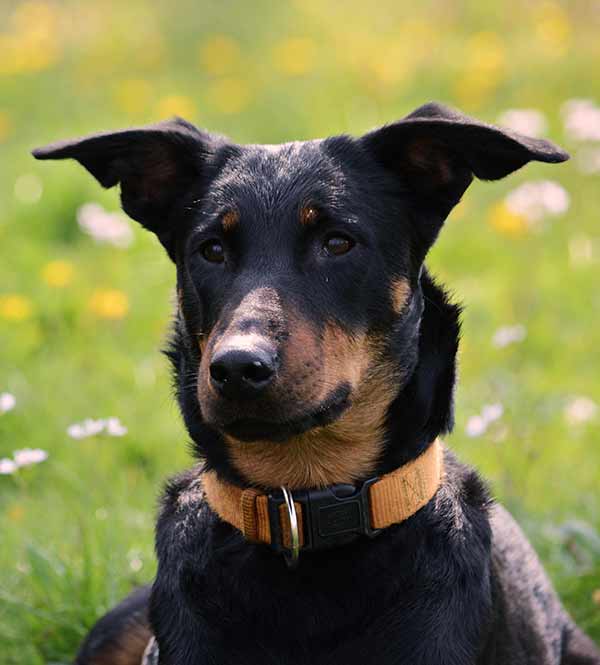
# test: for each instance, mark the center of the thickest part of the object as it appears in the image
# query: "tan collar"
(330, 516)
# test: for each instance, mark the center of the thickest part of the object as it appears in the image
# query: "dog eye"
(337, 245)
(213, 251)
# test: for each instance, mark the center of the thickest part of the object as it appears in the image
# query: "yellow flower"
(485, 69)
(176, 105)
(507, 222)
(229, 95)
(5, 125)
(552, 29)
(58, 273)
(109, 304)
(15, 513)
(133, 95)
(14, 307)
(219, 55)
(295, 56)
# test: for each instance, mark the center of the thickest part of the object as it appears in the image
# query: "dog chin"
(255, 429)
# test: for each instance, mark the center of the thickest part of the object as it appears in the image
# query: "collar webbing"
(333, 515)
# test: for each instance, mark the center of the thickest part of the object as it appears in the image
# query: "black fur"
(457, 583)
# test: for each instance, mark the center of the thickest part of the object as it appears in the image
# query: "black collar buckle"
(332, 516)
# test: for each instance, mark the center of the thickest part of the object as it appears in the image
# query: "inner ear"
(430, 165)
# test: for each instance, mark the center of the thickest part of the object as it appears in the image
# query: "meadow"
(86, 296)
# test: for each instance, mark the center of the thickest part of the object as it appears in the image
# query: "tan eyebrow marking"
(400, 293)
(308, 215)
(230, 219)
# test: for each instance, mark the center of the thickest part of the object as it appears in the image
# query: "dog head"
(300, 278)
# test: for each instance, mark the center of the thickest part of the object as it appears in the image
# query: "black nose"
(241, 373)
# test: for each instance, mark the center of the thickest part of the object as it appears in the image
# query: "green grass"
(76, 531)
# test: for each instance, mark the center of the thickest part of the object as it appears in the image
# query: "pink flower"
(104, 227)
(29, 456)
(7, 466)
(525, 121)
(7, 402)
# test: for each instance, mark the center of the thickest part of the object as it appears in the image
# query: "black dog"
(312, 351)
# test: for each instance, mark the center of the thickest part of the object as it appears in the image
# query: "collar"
(305, 520)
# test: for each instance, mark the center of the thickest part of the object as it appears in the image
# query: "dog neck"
(291, 522)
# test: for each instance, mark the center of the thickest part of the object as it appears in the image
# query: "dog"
(314, 364)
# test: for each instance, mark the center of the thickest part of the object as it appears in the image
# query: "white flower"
(535, 200)
(114, 427)
(7, 466)
(478, 425)
(582, 120)
(492, 412)
(509, 335)
(525, 121)
(580, 410)
(7, 402)
(90, 427)
(29, 456)
(104, 227)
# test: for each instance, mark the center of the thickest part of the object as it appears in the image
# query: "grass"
(76, 530)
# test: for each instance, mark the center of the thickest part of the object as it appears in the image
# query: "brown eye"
(338, 245)
(213, 251)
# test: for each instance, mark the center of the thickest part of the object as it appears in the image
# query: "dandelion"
(104, 227)
(29, 456)
(14, 307)
(28, 188)
(58, 274)
(7, 402)
(509, 335)
(109, 304)
(133, 95)
(525, 121)
(295, 56)
(219, 55)
(478, 424)
(7, 466)
(581, 119)
(507, 222)
(535, 200)
(176, 105)
(580, 410)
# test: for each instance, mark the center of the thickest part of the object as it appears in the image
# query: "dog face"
(298, 270)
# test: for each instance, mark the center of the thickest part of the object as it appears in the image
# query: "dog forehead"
(265, 178)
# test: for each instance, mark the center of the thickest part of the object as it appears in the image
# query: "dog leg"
(121, 636)
(579, 649)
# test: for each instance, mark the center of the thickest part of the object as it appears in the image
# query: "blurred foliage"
(81, 322)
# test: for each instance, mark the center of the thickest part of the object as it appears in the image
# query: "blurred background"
(88, 426)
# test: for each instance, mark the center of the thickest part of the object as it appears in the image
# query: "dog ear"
(435, 151)
(155, 165)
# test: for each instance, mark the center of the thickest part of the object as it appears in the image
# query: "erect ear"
(436, 151)
(155, 165)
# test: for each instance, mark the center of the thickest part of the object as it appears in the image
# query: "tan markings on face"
(400, 291)
(343, 451)
(230, 220)
(261, 304)
(309, 215)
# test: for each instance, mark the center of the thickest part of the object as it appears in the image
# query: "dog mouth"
(255, 429)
